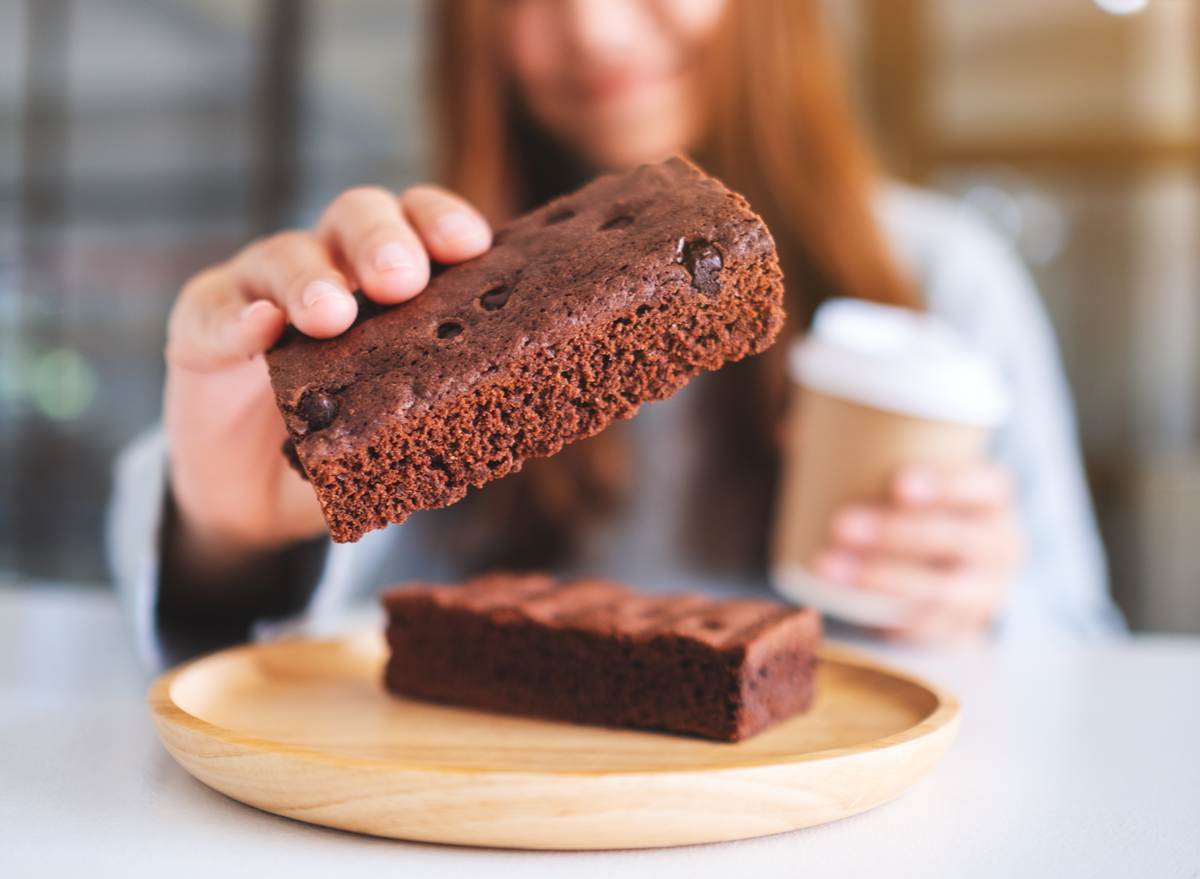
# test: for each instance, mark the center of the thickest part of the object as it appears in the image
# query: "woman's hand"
(234, 493)
(948, 542)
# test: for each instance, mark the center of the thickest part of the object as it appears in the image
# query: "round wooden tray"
(305, 729)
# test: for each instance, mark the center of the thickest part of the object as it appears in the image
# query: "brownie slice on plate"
(598, 653)
(583, 310)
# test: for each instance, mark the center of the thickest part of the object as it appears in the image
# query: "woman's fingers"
(940, 625)
(962, 592)
(367, 239)
(237, 310)
(214, 325)
(452, 230)
(912, 581)
(366, 230)
(947, 516)
(934, 536)
(386, 243)
(295, 271)
(971, 488)
(937, 603)
(946, 543)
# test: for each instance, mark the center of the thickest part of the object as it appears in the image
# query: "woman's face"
(614, 80)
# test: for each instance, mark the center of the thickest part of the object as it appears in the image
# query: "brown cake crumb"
(583, 310)
(594, 652)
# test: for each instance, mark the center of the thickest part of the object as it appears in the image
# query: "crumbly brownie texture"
(581, 311)
(597, 653)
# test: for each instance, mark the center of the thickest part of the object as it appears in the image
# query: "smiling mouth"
(614, 86)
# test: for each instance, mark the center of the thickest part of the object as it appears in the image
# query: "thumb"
(213, 326)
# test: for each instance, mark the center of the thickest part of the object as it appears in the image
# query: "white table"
(1072, 761)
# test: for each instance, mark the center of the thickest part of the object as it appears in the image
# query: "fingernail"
(456, 227)
(234, 332)
(837, 567)
(253, 306)
(318, 290)
(392, 256)
(918, 486)
(860, 527)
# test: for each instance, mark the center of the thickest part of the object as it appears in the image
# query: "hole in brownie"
(496, 298)
(703, 262)
(643, 310)
(449, 329)
(500, 237)
(617, 223)
(560, 217)
(713, 625)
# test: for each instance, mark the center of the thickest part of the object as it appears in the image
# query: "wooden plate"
(304, 729)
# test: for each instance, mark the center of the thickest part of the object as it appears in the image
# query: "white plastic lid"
(899, 360)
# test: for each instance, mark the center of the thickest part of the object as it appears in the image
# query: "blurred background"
(141, 140)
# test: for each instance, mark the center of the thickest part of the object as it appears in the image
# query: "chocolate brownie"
(597, 653)
(581, 311)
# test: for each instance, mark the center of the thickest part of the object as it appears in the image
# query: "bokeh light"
(61, 384)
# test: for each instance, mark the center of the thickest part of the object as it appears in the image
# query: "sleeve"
(973, 279)
(136, 513)
(134, 525)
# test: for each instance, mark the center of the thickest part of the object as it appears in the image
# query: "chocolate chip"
(495, 299)
(702, 260)
(617, 223)
(560, 217)
(318, 409)
(448, 329)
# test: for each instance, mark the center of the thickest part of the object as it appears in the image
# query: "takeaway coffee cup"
(874, 388)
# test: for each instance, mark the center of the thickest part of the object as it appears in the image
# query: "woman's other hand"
(233, 491)
(948, 542)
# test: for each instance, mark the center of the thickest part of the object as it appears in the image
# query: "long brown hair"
(779, 130)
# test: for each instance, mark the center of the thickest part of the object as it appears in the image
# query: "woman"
(534, 97)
